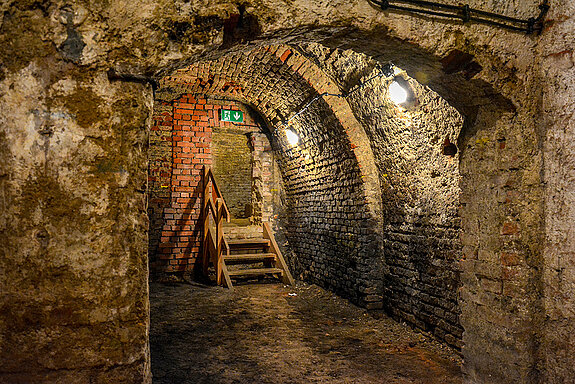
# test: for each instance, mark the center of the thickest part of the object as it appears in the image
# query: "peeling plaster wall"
(74, 229)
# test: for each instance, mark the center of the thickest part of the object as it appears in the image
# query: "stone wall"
(73, 260)
(501, 207)
(327, 220)
(418, 164)
(419, 173)
(267, 184)
(556, 90)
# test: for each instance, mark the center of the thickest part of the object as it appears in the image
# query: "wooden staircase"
(256, 257)
(236, 258)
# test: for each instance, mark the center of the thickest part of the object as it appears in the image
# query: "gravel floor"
(268, 333)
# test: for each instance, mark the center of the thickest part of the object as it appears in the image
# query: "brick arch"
(277, 81)
(293, 81)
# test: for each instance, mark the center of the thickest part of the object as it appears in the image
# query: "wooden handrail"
(212, 248)
(216, 194)
(287, 278)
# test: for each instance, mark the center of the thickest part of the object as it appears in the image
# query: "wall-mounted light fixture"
(397, 93)
(400, 93)
(292, 137)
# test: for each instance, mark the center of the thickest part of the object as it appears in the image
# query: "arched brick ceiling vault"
(475, 82)
(277, 81)
(466, 81)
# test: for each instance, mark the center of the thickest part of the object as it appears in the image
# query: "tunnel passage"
(423, 274)
(325, 219)
(370, 206)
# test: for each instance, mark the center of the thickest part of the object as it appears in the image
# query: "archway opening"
(371, 184)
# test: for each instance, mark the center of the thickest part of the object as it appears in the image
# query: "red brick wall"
(159, 175)
(180, 145)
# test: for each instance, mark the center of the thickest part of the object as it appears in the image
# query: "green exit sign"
(233, 116)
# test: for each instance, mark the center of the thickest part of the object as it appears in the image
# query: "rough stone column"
(73, 229)
(501, 210)
(263, 183)
(73, 147)
(557, 87)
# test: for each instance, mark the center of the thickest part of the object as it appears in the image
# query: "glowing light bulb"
(397, 93)
(292, 137)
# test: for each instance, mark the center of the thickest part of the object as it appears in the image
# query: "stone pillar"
(264, 182)
(73, 226)
(501, 218)
(556, 93)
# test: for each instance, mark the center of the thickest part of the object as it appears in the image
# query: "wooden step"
(254, 272)
(249, 258)
(248, 243)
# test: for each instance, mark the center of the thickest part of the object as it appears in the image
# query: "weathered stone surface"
(419, 188)
(74, 269)
(557, 85)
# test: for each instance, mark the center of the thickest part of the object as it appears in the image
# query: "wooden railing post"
(206, 222)
(219, 239)
(212, 248)
(287, 278)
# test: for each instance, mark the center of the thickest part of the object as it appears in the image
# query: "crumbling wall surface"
(556, 92)
(74, 227)
(73, 224)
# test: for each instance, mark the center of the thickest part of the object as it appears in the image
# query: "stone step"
(244, 222)
(242, 232)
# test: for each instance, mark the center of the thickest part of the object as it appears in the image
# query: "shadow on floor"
(271, 334)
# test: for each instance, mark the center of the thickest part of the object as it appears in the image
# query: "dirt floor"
(269, 333)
